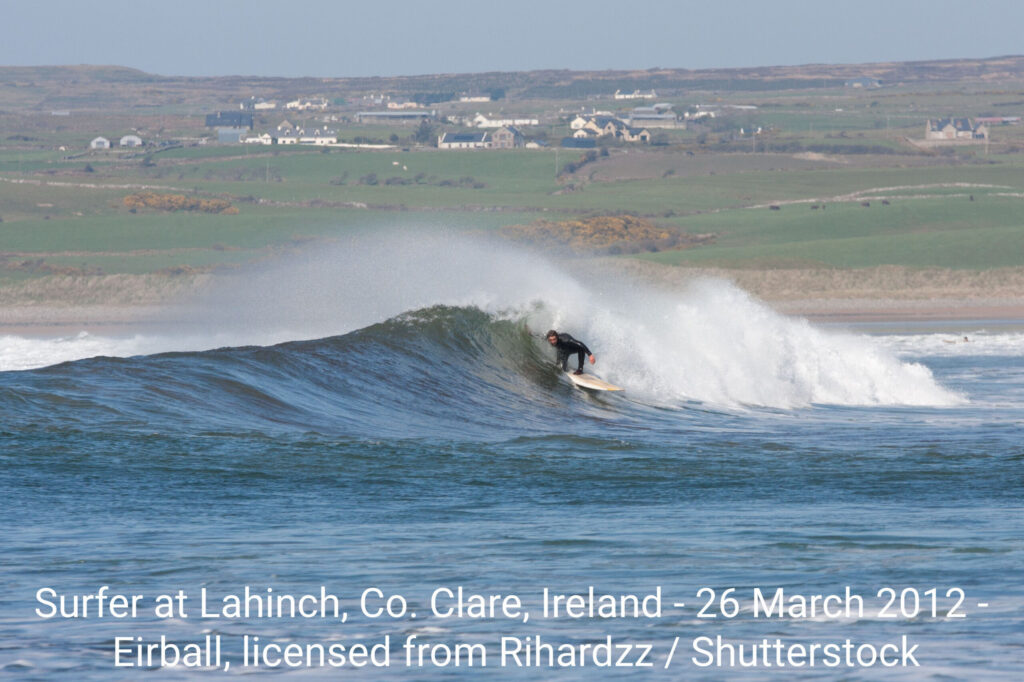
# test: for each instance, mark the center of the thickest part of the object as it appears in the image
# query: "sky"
(346, 38)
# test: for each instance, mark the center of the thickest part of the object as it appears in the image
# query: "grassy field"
(307, 195)
(62, 211)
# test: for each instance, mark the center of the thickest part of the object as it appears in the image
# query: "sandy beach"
(126, 304)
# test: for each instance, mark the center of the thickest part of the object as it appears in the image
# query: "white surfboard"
(589, 381)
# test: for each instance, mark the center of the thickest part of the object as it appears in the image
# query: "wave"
(442, 339)
(452, 371)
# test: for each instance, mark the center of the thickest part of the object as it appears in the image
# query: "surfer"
(566, 346)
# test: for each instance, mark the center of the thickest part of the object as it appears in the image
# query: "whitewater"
(383, 414)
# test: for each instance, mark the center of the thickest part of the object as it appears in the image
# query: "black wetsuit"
(566, 346)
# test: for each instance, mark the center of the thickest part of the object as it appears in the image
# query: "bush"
(178, 202)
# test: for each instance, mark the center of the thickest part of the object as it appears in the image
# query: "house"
(318, 136)
(481, 121)
(506, 137)
(578, 122)
(131, 141)
(601, 125)
(636, 94)
(307, 104)
(631, 134)
(100, 143)
(605, 126)
(955, 129)
(254, 104)
(229, 119)
(311, 136)
(863, 83)
(265, 138)
(464, 141)
(287, 136)
(700, 115)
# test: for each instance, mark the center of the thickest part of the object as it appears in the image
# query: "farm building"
(464, 141)
(230, 135)
(100, 143)
(131, 141)
(400, 116)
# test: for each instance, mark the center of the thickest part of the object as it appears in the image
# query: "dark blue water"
(442, 449)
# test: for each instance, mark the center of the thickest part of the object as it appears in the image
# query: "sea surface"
(439, 447)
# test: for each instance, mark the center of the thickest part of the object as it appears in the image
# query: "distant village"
(478, 130)
(314, 121)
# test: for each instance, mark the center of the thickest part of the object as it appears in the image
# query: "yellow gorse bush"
(613, 234)
(178, 202)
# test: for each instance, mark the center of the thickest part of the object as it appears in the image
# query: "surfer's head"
(552, 336)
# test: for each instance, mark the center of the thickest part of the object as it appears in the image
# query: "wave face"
(447, 371)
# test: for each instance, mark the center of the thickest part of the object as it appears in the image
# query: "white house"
(259, 104)
(481, 121)
(636, 94)
(265, 138)
(313, 136)
(464, 141)
(100, 143)
(318, 137)
(307, 104)
(131, 141)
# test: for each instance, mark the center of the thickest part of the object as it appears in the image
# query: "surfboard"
(589, 381)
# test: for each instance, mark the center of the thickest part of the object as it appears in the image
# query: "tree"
(424, 132)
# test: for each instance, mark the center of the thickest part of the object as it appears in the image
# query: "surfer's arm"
(582, 352)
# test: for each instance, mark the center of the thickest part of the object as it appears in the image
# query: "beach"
(61, 305)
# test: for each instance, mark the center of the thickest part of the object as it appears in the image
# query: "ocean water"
(384, 425)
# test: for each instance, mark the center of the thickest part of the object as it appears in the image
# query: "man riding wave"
(565, 345)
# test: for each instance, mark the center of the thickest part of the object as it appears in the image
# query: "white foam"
(715, 343)
(980, 343)
(18, 352)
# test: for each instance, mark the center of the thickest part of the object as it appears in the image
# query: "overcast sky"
(386, 37)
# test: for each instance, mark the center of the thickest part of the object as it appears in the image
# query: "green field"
(66, 206)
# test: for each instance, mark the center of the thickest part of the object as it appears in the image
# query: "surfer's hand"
(592, 359)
